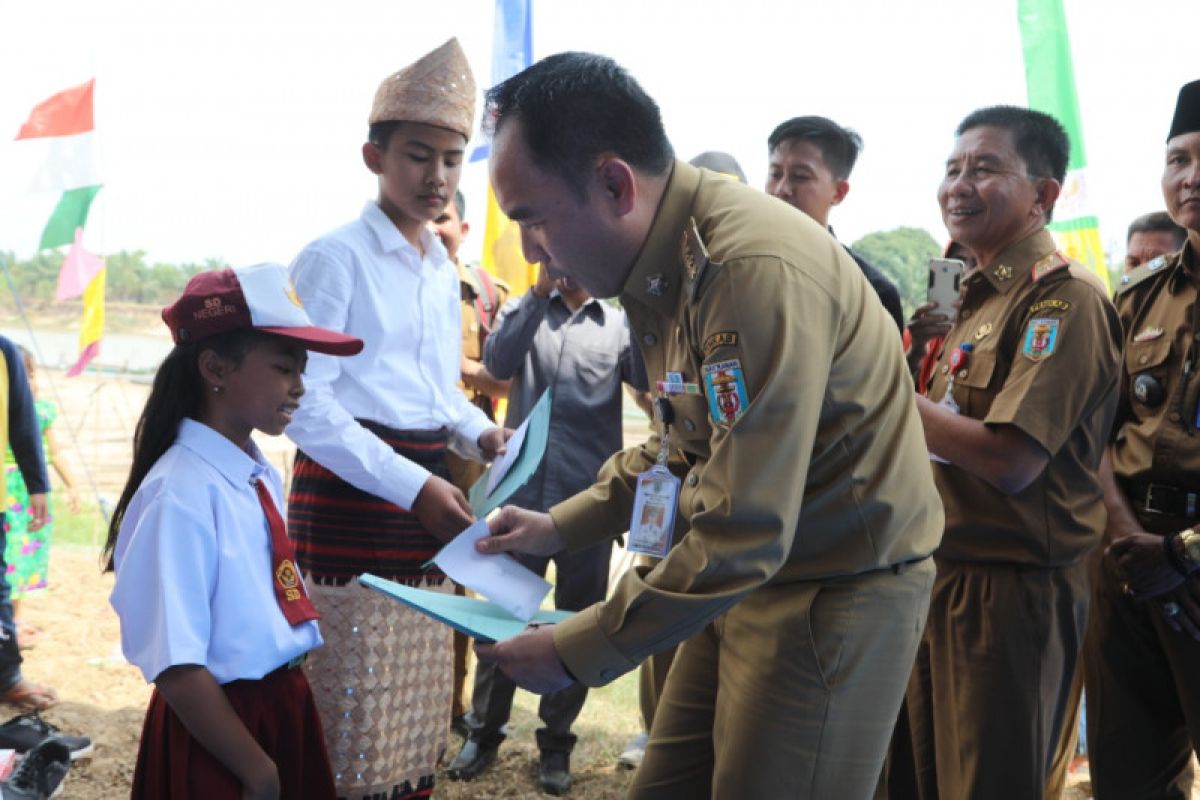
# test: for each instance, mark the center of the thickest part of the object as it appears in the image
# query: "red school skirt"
(279, 712)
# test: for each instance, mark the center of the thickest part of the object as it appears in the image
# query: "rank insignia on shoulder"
(722, 339)
(1003, 272)
(1051, 263)
(694, 255)
(1158, 262)
(983, 330)
(1148, 334)
(725, 388)
(656, 285)
(1041, 339)
(1054, 303)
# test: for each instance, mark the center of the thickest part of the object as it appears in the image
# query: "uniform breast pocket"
(691, 428)
(1148, 365)
(972, 383)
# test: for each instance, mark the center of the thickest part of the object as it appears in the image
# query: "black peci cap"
(1187, 111)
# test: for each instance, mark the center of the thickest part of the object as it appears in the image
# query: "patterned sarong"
(382, 682)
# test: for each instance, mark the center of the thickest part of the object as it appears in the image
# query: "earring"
(216, 390)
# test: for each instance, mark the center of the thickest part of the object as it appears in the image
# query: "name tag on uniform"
(653, 522)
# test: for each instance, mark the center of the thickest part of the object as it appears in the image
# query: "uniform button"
(945, 368)
(649, 340)
(608, 674)
(965, 314)
(693, 480)
(689, 426)
(1143, 359)
(1174, 416)
(962, 373)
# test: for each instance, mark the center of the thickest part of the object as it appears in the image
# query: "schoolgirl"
(212, 608)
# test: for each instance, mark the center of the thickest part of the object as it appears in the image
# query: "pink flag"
(78, 270)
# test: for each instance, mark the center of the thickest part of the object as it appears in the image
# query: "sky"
(231, 129)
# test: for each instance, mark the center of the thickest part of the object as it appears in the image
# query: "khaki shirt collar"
(659, 265)
(1015, 262)
(1183, 265)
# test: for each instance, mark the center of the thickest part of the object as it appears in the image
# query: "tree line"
(131, 278)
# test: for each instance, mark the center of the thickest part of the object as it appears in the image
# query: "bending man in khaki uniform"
(1142, 663)
(1017, 413)
(799, 577)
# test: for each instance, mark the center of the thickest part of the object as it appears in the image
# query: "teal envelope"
(476, 618)
(532, 451)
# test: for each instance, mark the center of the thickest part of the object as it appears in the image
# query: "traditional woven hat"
(1187, 111)
(436, 89)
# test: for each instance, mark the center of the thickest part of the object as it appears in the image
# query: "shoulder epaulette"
(695, 257)
(1051, 263)
(1145, 271)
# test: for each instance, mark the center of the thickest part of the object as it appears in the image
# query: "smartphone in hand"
(945, 275)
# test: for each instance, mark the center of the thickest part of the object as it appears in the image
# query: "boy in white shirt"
(369, 493)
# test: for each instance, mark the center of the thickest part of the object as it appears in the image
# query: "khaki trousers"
(791, 694)
(991, 685)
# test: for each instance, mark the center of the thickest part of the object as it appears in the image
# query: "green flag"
(70, 213)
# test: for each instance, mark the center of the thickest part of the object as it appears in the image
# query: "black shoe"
(40, 774)
(27, 731)
(554, 772)
(459, 725)
(472, 761)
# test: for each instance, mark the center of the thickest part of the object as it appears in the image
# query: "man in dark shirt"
(810, 163)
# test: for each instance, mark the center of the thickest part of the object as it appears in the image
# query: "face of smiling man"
(988, 199)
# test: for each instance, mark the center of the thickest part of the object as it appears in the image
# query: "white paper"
(500, 578)
(503, 464)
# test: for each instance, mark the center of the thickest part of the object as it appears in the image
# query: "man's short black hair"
(380, 133)
(575, 106)
(460, 204)
(1040, 140)
(1157, 221)
(839, 146)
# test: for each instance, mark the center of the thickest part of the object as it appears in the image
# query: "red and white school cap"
(260, 297)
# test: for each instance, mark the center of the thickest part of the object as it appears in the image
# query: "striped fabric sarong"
(341, 532)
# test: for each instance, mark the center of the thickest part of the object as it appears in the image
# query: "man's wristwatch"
(1183, 551)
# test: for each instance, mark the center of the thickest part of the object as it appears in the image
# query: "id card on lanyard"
(653, 522)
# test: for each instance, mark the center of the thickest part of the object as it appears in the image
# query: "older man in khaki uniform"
(799, 578)
(1016, 415)
(1142, 665)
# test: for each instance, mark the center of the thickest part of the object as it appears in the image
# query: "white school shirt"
(367, 280)
(193, 562)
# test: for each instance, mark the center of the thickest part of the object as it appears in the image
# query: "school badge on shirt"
(1041, 337)
(289, 579)
(725, 388)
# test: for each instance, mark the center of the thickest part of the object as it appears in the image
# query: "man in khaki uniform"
(799, 577)
(1016, 413)
(1142, 662)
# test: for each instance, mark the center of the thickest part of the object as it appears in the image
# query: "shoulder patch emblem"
(1041, 339)
(1148, 334)
(1051, 263)
(722, 339)
(1054, 303)
(725, 388)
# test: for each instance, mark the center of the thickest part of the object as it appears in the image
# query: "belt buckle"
(1147, 504)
